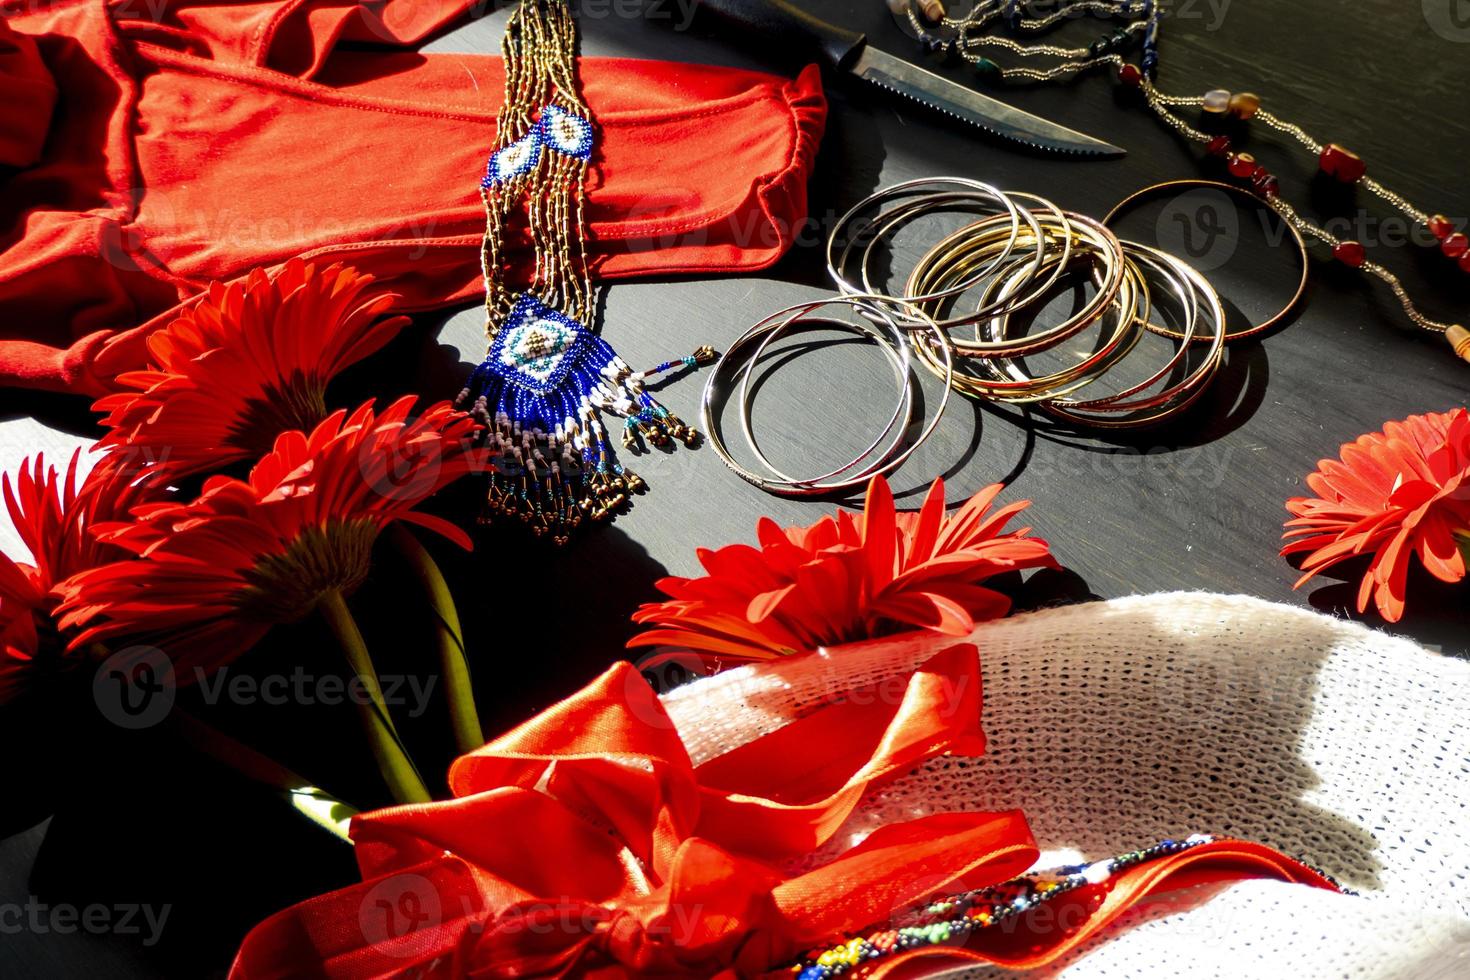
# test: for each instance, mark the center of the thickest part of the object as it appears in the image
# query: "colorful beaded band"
(952, 919)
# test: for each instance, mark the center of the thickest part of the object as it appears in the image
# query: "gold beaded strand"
(1071, 61)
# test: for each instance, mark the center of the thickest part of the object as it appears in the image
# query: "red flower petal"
(205, 580)
(1393, 494)
(843, 579)
(880, 535)
(248, 361)
(927, 610)
(925, 534)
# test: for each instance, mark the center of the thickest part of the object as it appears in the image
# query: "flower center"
(299, 403)
(285, 587)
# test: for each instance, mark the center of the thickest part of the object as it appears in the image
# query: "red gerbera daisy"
(251, 360)
(212, 576)
(846, 578)
(1392, 494)
(55, 520)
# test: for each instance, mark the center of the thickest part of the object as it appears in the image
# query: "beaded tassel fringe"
(540, 393)
(547, 378)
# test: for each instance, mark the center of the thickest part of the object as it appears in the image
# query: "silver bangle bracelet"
(871, 310)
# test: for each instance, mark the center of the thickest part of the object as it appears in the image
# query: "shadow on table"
(58, 410)
(1434, 612)
(547, 620)
(1233, 397)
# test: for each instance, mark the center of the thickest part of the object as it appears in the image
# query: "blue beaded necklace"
(547, 378)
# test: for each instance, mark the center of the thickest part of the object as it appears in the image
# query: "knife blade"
(976, 108)
(779, 24)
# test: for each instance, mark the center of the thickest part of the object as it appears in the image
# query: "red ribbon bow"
(586, 843)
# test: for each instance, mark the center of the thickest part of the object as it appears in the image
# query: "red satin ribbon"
(585, 843)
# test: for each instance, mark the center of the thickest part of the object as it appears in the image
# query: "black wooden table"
(1197, 505)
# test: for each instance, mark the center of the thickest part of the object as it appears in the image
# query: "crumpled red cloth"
(585, 843)
(188, 142)
(30, 98)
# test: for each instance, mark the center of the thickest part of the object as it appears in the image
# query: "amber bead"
(1350, 253)
(1340, 162)
(1459, 339)
(1219, 146)
(1245, 105)
(931, 10)
(1456, 245)
(1441, 227)
(1217, 102)
(1130, 75)
(1242, 165)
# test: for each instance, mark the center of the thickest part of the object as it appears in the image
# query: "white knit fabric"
(1116, 724)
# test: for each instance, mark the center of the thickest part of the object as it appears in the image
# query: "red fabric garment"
(290, 36)
(178, 154)
(585, 843)
(30, 97)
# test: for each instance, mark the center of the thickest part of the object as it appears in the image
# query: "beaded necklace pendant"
(540, 393)
(548, 378)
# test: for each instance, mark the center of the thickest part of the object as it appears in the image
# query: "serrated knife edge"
(991, 115)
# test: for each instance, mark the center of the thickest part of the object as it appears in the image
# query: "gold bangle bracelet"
(1239, 192)
(999, 272)
(1010, 383)
(1174, 399)
(1018, 388)
(952, 258)
(1140, 312)
(961, 245)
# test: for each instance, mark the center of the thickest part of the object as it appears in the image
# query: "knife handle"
(788, 27)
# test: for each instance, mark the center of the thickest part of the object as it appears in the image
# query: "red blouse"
(160, 144)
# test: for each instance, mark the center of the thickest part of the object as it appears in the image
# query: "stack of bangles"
(967, 301)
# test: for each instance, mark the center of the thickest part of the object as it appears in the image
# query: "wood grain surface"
(1196, 505)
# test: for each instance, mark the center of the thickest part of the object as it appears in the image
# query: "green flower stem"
(317, 805)
(453, 664)
(398, 770)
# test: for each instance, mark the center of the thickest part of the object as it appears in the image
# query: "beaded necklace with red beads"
(967, 37)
